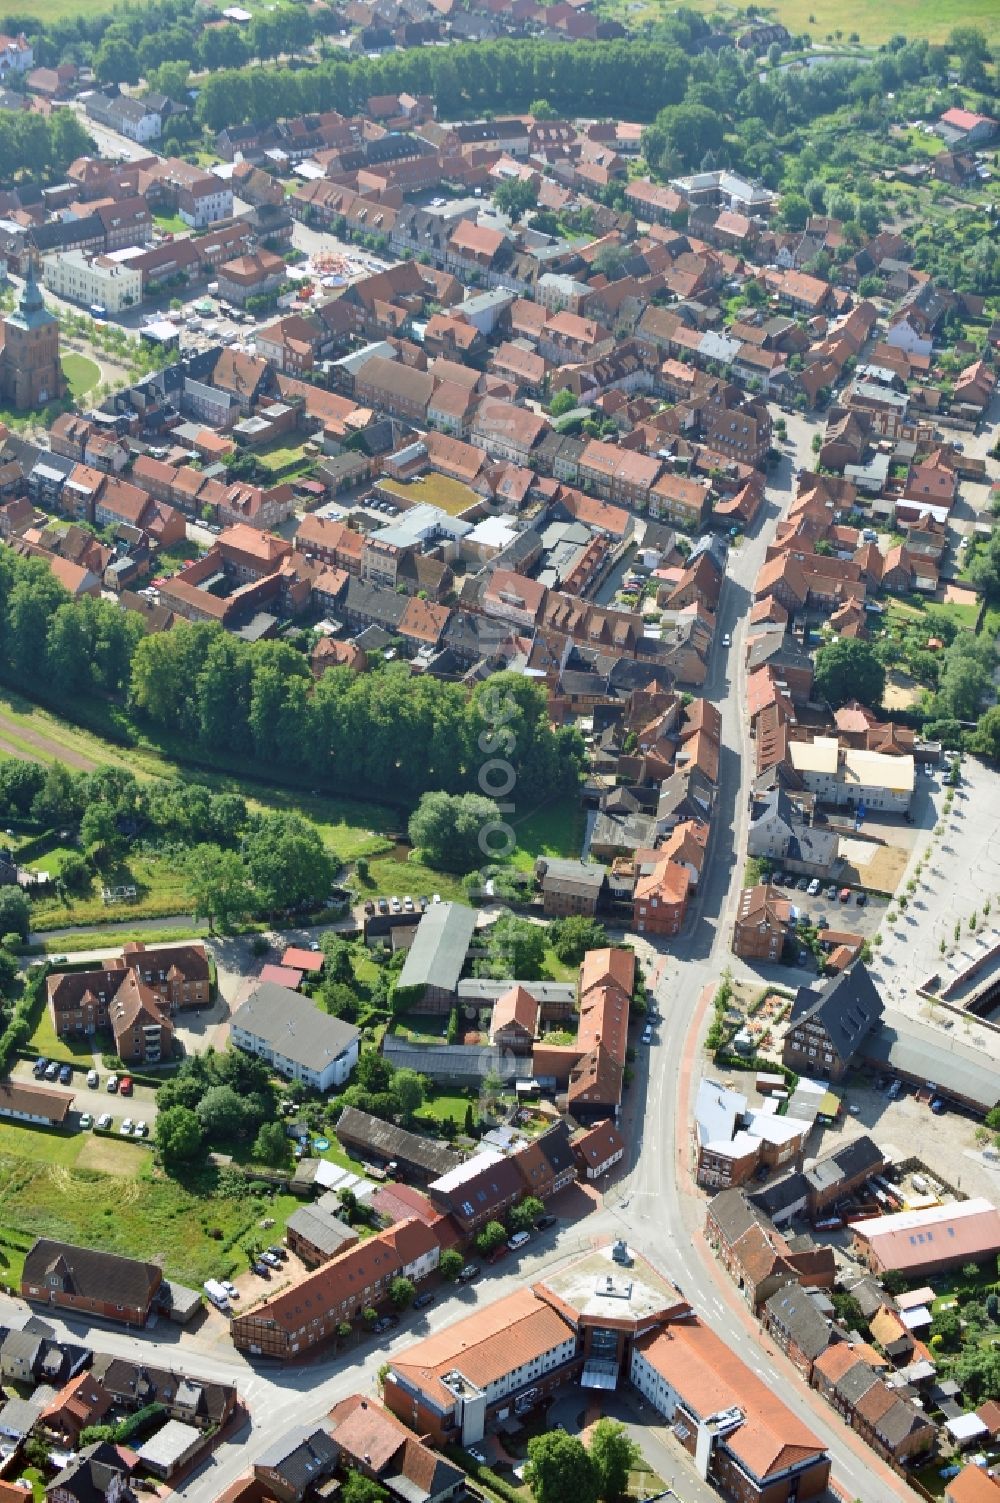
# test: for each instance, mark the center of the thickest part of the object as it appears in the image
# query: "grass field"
(553, 829)
(82, 374)
(932, 19)
(43, 1192)
(171, 224)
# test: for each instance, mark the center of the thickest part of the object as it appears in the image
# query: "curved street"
(653, 1204)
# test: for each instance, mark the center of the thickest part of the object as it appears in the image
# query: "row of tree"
(37, 146)
(577, 78)
(231, 700)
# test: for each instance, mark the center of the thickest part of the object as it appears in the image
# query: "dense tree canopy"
(214, 694)
(848, 668)
(559, 1469)
(446, 829)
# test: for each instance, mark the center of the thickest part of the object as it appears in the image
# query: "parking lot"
(828, 912)
(140, 1106)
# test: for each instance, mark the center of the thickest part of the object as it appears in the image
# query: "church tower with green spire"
(30, 372)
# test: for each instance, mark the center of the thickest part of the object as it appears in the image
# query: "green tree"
(217, 885)
(271, 1145)
(288, 863)
(613, 1455)
(221, 1113)
(523, 1216)
(76, 875)
(515, 948)
(408, 1089)
(401, 1292)
(338, 962)
(450, 1264)
(948, 1325)
(490, 1238)
(562, 402)
(15, 912)
(115, 60)
(848, 668)
(358, 1488)
(559, 1469)
(446, 828)
(178, 1136)
(572, 937)
(514, 197)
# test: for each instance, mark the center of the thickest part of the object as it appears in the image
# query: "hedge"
(25, 1018)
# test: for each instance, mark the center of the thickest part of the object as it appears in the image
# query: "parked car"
(436, 898)
(112, 1085)
(408, 903)
(895, 1090)
(813, 888)
(66, 1075)
(39, 1068)
(845, 894)
(141, 1129)
(126, 1128)
(383, 905)
(381, 1326)
(369, 907)
(544, 1222)
(86, 1122)
(93, 1079)
(469, 1272)
(938, 1107)
(395, 904)
(647, 1034)
(831, 891)
(518, 1240)
(126, 1085)
(727, 640)
(477, 1454)
(52, 1070)
(278, 1252)
(422, 1301)
(261, 1269)
(804, 884)
(270, 1260)
(103, 1121)
(230, 1289)
(861, 899)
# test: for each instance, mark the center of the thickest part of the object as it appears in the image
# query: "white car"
(813, 888)
(230, 1289)
(727, 640)
(93, 1079)
(141, 1129)
(518, 1240)
(647, 1034)
(125, 1130)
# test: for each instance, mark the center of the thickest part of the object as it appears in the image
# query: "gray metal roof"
(929, 1055)
(294, 1026)
(468, 1062)
(439, 947)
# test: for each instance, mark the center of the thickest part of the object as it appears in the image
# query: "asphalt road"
(653, 1205)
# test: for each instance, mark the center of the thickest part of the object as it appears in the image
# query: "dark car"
(861, 899)
(261, 1270)
(422, 1301)
(66, 1075)
(498, 1253)
(39, 1068)
(278, 1252)
(469, 1272)
(544, 1222)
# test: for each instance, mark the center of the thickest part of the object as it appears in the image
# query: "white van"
(217, 1295)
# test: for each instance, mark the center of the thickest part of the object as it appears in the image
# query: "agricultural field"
(823, 19)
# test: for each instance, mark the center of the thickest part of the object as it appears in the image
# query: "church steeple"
(31, 297)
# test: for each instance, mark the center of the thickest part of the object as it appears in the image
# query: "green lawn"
(160, 886)
(555, 969)
(82, 374)
(44, 1041)
(145, 1215)
(553, 829)
(444, 1106)
(388, 877)
(112, 938)
(171, 224)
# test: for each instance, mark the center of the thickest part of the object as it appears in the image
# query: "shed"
(170, 1448)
